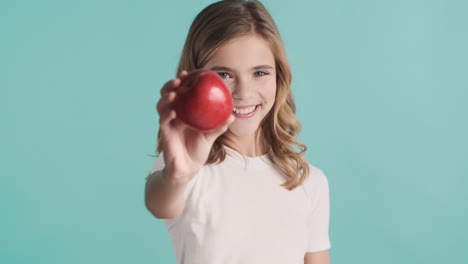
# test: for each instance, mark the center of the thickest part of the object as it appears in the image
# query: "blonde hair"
(223, 21)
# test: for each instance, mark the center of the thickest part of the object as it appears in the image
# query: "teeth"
(244, 111)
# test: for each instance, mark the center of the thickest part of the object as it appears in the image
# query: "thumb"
(215, 133)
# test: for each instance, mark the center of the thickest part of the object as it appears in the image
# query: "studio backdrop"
(380, 88)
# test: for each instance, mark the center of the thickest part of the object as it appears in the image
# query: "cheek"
(270, 91)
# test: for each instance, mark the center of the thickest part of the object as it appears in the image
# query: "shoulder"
(316, 181)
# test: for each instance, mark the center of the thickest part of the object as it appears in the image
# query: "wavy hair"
(280, 126)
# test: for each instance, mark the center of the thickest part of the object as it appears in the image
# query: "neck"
(250, 145)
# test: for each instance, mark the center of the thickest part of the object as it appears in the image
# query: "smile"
(245, 112)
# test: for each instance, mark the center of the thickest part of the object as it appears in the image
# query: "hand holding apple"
(185, 149)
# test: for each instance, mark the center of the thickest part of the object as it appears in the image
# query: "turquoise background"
(381, 90)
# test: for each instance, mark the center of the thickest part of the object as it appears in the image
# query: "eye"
(260, 73)
(224, 75)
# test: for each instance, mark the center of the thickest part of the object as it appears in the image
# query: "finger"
(165, 102)
(166, 118)
(223, 127)
(182, 73)
(170, 86)
(178, 125)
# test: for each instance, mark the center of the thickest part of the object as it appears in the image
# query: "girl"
(239, 193)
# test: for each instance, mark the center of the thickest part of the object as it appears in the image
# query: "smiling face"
(247, 66)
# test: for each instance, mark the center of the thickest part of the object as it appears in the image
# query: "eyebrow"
(223, 68)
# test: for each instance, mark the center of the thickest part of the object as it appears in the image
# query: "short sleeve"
(158, 163)
(319, 213)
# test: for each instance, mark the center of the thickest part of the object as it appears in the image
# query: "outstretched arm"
(319, 257)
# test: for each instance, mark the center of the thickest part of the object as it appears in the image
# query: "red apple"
(202, 100)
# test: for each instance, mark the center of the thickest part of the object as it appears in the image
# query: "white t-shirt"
(237, 212)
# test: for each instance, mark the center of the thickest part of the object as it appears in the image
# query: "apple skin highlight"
(202, 100)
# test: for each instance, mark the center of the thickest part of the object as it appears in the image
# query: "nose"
(241, 89)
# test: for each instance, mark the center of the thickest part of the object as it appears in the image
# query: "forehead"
(243, 52)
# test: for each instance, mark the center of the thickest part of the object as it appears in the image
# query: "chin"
(242, 131)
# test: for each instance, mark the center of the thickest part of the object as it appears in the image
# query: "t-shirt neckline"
(257, 161)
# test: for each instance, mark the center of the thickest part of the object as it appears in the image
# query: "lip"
(249, 114)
